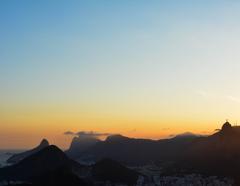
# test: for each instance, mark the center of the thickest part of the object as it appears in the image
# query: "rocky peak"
(44, 143)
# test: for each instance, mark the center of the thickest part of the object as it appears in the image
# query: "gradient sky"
(141, 68)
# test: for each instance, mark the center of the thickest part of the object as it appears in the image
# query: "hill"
(219, 150)
(133, 151)
(18, 157)
(46, 160)
(80, 144)
(51, 167)
(109, 170)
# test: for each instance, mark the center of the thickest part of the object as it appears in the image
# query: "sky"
(145, 69)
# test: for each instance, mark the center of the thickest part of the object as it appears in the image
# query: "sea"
(5, 154)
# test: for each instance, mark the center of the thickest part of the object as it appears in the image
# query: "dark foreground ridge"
(46, 160)
(51, 166)
(109, 170)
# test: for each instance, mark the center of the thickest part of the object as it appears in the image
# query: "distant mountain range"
(129, 151)
(133, 151)
(217, 154)
(224, 144)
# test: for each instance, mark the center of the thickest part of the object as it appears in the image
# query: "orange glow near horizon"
(25, 129)
(144, 69)
(23, 126)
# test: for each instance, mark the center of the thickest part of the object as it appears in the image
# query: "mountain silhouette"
(208, 154)
(60, 177)
(109, 170)
(51, 166)
(217, 154)
(136, 151)
(117, 137)
(46, 160)
(80, 144)
(221, 149)
(18, 157)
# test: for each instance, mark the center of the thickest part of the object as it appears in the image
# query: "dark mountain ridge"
(80, 144)
(133, 151)
(201, 152)
(109, 170)
(217, 154)
(221, 149)
(18, 157)
(51, 166)
(48, 159)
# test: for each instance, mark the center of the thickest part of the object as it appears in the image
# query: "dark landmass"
(217, 154)
(109, 170)
(18, 157)
(80, 144)
(46, 160)
(131, 151)
(51, 166)
(206, 159)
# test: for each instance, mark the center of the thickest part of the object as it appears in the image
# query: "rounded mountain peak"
(226, 126)
(116, 137)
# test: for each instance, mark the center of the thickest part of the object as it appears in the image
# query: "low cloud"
(87, 134)
(69, 133)
(186, 134)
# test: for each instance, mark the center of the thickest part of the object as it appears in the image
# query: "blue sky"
(42, 38)
(151, 60)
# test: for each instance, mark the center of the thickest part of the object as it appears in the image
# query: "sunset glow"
(145, 69)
